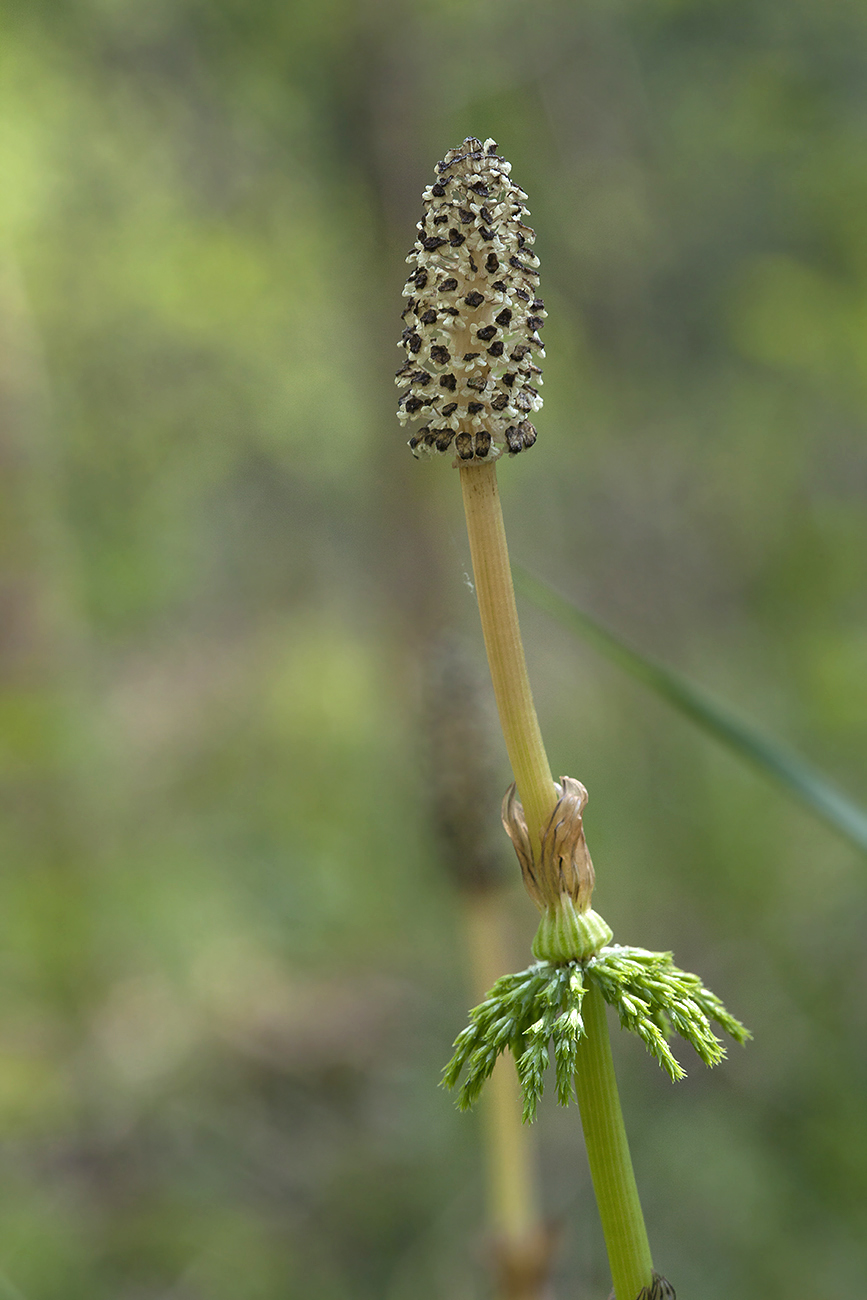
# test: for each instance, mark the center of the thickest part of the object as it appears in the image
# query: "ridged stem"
(608, 1155)
(499, 614)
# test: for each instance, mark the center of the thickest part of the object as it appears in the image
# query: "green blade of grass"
(791, 773)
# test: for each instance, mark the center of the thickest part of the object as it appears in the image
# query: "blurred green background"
(231, 963)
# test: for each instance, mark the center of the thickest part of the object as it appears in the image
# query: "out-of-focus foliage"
(231, 967)
(774, 761)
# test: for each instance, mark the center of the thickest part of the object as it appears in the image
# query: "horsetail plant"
(471, 339)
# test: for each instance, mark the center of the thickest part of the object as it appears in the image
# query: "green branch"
(559, 1008)
(541, 1007)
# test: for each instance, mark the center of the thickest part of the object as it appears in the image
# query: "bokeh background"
(231, 963)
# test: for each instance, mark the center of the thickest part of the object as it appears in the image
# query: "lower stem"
(608, 1155)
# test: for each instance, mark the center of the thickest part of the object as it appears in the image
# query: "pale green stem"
(608, 1154)
(496, 597)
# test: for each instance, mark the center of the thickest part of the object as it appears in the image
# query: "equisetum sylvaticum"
(472, 344)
